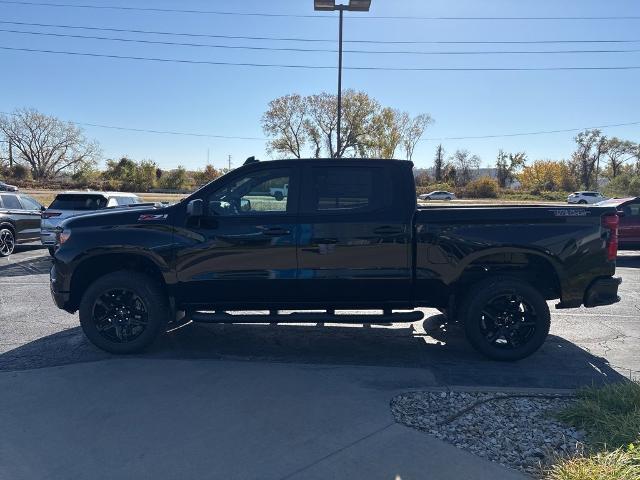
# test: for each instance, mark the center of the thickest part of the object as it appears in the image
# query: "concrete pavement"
(261, 401)
(175, 419)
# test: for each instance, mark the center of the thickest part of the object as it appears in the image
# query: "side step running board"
(301, 317)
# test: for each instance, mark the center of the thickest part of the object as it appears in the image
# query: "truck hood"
(120, 216)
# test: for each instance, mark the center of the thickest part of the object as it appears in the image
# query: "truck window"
(258, 193)
(340, 189)
(78, 202)
(632, 210)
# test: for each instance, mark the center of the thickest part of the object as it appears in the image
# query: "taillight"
(50, 214)
(610, 222)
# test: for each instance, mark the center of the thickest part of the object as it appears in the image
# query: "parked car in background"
(629, 223)
(70, 204)
(19, 221)
(279, 193)
(586, 197)
(5, 187)
(437, 195)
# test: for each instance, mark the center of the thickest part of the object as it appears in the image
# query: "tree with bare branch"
(412, 131)
(285, 121)
(296, 125)
(617, 152)
(46, 144)
(591, 145)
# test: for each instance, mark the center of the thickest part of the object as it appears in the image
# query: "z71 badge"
(147, 217)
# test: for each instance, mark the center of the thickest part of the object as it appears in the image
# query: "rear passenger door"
(354, 235)
(32, 212)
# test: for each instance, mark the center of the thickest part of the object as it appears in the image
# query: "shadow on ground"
(445, 353)
(19, 267)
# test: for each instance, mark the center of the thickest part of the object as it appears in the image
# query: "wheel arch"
(94, 267)
(536, 268)
(8, 224)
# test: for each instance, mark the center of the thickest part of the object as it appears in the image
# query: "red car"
(629, 226)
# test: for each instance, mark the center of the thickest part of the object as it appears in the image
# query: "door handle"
(387, 230)
(276, 232)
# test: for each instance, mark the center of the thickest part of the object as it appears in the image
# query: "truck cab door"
(242, 251)
(355, 235)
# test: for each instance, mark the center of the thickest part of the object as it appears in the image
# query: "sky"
(229, 100)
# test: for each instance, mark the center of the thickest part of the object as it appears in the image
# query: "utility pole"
(229, 162)
(328, 6)
(10, 154)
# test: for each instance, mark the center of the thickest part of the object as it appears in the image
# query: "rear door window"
(348, 189)
(78, 202)
(11, 202)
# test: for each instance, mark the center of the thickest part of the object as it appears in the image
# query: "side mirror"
(195, 208)
(245, 205)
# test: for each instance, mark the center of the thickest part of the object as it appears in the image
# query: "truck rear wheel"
(124, 312)
(505, 318)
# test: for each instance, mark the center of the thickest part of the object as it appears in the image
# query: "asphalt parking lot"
(585, 346)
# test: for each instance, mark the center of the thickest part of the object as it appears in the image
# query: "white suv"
(71, 204)
(586, 197)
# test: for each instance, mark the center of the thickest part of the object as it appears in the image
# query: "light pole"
(330, 6)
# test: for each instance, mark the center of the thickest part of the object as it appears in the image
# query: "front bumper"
(48, 238)
(61, 295)
(603, 291)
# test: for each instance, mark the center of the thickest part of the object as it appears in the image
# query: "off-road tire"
(149, 292)
(480, 296)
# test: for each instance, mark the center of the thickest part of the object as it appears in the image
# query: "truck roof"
(95, 192)
(404, 163)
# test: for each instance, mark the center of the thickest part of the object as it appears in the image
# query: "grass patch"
(620, 464)
(610, 416)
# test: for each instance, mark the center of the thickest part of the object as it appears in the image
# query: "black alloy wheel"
(7, 242)
(120, 316)
(508, 321)
(505, 318)
(124, 312)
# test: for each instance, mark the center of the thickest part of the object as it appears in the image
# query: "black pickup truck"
(347, 235)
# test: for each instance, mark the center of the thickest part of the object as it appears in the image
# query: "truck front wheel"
(124, 312)
(505, 318)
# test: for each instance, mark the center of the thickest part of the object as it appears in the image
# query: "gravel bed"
(519, 433)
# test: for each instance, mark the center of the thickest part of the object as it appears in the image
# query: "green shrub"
(19, 172)
(483, 187)
(624, 185)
